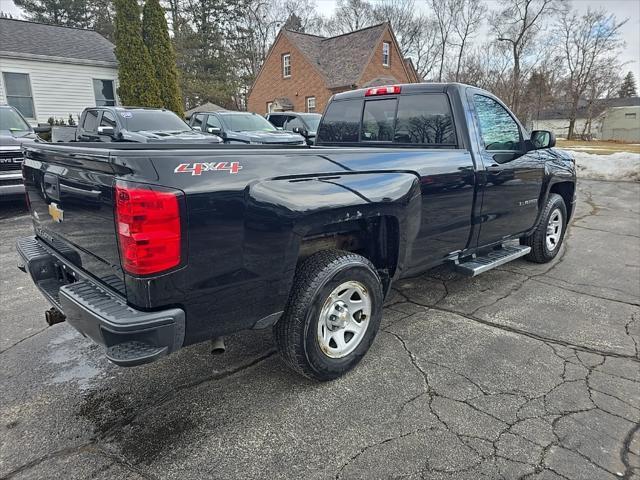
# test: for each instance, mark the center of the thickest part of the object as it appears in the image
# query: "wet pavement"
(527, 371)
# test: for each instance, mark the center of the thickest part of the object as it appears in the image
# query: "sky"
(621, 8)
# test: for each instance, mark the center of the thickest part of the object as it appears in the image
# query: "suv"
(243, 127)
(137, 124)
(306, 124)
(14, 132)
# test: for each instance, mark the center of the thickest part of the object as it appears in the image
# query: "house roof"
(205, 107)
(41, 41)
(340, 59)
(561, 111)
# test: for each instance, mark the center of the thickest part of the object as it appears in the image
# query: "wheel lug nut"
(333, 318)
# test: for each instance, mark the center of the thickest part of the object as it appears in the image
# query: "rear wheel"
(546, 239)
(332, 316)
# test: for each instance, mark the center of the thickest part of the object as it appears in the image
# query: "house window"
(18, 91)
(630, 115)
(103, 90)
(311, 104)
(385, 53)
(286, 65)
(269, 107)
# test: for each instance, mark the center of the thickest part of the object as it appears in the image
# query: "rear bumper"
(131, 337)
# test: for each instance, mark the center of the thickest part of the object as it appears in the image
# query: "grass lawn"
(598, 147)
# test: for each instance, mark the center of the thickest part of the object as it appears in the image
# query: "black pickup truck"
(149, 248)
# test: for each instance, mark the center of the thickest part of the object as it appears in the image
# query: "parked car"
(243, 127)
(15, 131)
(188, 245)
(306, 124)
(137, 124)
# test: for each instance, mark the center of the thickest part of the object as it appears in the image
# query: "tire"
(308, 341)
(542, 250)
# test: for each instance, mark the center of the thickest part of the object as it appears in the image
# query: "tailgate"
(70, 193)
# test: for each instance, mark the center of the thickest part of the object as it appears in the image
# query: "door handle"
(495, 168)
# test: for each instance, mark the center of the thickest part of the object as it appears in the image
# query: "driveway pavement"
(527, 371)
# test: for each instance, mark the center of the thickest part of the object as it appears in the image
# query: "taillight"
(388, 90)
(148, 227)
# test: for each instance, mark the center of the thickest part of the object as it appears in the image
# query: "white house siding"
(58, 88)
(622, 124)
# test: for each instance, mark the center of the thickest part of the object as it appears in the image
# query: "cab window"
(108, 120)
(425, 119)
(197, 120)
(378, 120)
(294, 122)
(90, 123)
(498, 128)
(341, 122)
(213, 122)
(278, 120)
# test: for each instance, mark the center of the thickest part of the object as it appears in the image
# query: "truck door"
(511, 177)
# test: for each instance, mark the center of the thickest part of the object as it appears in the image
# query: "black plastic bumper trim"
(131, 336)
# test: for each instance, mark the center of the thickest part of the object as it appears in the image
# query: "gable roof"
(52, 42)
(340, 59)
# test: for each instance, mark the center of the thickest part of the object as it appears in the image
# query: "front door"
(511, 191)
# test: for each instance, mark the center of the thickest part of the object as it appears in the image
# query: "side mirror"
(42, 129)
(542, 139)
(106, 131)
(214, 130)
(197, 128)
(301, 131)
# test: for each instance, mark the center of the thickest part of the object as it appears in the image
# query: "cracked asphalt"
(525, 372)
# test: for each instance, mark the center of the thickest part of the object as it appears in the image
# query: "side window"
(341, 122)
(108, 120)
(498, 129)
(294, 122)
(197, 120)
(386, 48)
(425, 119)
(378, 120)
(277, 120)
(90, 123)
(213, 122)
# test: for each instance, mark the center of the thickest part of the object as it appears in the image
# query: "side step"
(493, 259)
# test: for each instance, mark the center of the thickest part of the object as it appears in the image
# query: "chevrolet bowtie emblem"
(56, 212)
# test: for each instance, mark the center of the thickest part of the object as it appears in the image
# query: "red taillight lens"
(388, 90)
(148, 227)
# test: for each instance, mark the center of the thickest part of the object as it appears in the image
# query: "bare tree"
(468, 15)
(425, 50)
(591, 43)
(445, 17)
(348, 16)
(518, 24)
(406, 25)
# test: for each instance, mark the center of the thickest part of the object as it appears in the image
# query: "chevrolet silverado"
(149, 248)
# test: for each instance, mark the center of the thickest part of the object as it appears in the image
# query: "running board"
(493, 259)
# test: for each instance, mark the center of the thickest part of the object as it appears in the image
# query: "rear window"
(341, 122)
(423, 119)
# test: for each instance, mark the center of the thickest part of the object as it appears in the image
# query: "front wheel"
(332, 316)
(546, 239)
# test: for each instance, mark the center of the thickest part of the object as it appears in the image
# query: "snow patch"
(621, 166)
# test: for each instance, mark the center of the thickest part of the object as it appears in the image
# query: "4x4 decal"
(199, 167)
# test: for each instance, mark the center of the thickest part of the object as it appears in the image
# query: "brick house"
(301, 71)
